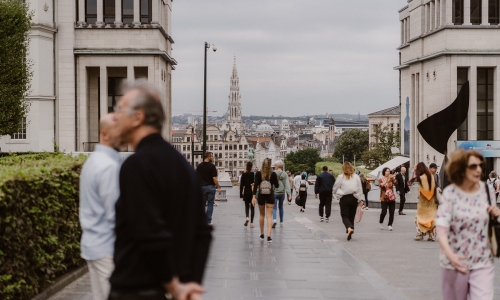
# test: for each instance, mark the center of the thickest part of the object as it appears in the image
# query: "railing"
(89, 146)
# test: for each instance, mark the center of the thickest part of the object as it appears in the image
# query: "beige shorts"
(100, 271)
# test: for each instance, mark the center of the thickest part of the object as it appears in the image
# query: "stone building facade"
(445, 43)
(83, 51)
(386, 117)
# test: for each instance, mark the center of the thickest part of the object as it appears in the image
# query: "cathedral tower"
(234, 107)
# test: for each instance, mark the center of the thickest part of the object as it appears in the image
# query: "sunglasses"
(473, 167)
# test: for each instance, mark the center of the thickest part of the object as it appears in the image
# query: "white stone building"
(82, 51)
(389, 116)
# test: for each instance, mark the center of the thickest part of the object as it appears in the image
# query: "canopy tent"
(392, 164)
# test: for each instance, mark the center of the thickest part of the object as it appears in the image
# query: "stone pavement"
(312, 260)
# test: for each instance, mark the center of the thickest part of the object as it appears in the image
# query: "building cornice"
(131, 52)
(129, 27)
(43, 27)
(403, 9)
(446, 53)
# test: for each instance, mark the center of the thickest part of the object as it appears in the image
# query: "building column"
(473, 102)
(100, 13)
(82, 109)
(437, 14)
(118, 13)
(448, 12)
(81, 13)
(403, 32)
(426, 18)
(137, 14)
(103, 93)
(467, 12)
(130, 74)
(496, 111)
(484, 10)
(155, 12)
(432, 16)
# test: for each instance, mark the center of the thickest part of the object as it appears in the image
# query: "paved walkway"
(312, 260)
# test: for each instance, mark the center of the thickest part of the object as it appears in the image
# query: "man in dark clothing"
(402, 188)
(162, 238)
(323, 187)
(208, 176)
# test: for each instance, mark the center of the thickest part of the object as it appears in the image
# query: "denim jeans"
(209, 198)
(278, 200)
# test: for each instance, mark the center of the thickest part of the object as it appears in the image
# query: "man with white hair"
(279, 193)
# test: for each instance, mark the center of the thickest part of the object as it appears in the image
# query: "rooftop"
(393, 111)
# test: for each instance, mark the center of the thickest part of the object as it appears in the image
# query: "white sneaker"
(381, 226)
(321, 219)
(281, 224)
(390, 228)
(326, 220)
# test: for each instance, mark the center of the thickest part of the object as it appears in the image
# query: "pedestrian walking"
(493, 182)
(246, 186)
(296, 182)
(281, 192)
(99, 191)
(162, 235)
(402, 188)
(462, 225)
(302, 191)
(365, 184)
(292, 187)
(323, 187)
(209, 182)
(266, 182)
(387, 197)
(433, 169)
(305, 173)
(427, 203)
(348, 188)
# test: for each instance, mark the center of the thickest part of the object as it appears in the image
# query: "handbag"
(494, 230)
(389, 193)
(298, 200)
(359, 212)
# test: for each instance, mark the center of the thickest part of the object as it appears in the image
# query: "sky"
(294, 57)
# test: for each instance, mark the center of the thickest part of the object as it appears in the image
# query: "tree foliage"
(15, 75)
(352, 142)
(380, 150)
(302, 160)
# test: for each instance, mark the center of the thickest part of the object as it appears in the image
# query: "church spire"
(234, 107)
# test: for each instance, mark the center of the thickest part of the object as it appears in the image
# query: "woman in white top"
(348, 188)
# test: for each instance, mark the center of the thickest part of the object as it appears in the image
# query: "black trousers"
(325, 201)
(402, 198)
(152, 294)
(392, 207)
(366, 199)
(303, 198)
(348, 205)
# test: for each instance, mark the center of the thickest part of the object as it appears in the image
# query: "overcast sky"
(294, 57)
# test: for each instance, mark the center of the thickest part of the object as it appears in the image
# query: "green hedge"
(39, 226)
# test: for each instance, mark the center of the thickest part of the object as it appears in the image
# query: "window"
(90, 11)
(462, 77)
(484, 103)
(183, 147)
(493, 12)
(241, 147)
(109, 11)
(226, 147)
(189, 147)
(196, 147)
(127, 11)
(145, 11)
(114, 91)
(189, 139)
(21, 134)
(246, 147)
(475, 12)
(458, 12)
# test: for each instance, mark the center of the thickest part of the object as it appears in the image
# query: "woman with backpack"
(246, 185)
(493, 182)
(302, 189)
(281, 191)
(263, 194)
(365, 184)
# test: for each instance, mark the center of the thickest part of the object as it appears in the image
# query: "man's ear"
(138, 118)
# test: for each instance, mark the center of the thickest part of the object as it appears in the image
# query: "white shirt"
(349, 186)
(296, 182)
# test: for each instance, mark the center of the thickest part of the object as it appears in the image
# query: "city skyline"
(321, 54)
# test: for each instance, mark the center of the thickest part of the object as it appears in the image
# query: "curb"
(61, 283)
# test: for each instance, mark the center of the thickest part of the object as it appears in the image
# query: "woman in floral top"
(462, 226)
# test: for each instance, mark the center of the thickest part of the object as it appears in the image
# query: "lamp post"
(207, 46)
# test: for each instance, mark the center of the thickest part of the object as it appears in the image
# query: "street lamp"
(207, 46)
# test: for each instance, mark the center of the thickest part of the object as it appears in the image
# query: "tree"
(380, 150)
(302, 160)
(15, 75)
(352, 142)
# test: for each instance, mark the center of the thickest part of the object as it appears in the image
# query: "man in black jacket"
(402, 188)
(323, 187)
(162, 236)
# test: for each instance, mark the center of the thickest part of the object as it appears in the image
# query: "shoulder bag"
(494, 230)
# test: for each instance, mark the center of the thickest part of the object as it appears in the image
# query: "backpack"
(368, 186)
(493, 183)
(303, 186)
(265, 187)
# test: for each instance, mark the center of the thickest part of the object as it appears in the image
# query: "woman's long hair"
(249, 167)
(347, 169)
(266, 169)
(421, 170)
(362, 177)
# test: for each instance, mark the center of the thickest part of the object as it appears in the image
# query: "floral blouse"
(466, 217)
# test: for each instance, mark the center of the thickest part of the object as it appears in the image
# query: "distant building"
(389, 116)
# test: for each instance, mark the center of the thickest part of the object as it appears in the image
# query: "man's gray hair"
(279, 163)
(147, 100)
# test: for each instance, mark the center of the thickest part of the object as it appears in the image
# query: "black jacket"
(402, 186)
(324, 183)
(161, 227)
(246, 183)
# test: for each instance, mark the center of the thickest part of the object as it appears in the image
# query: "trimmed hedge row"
(39, 226)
